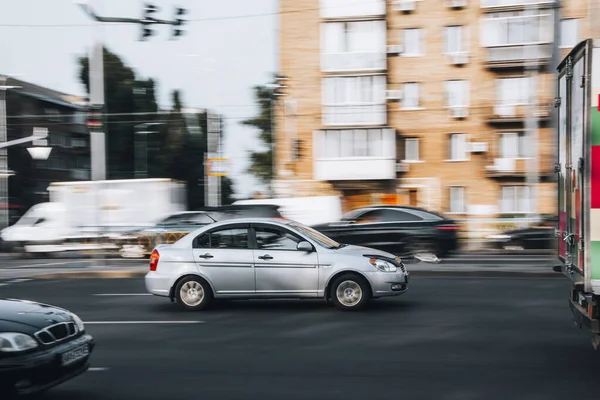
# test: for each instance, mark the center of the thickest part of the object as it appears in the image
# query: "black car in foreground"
(41, 346)
(401, 230)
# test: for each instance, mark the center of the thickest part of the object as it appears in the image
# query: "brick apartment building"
(423, 102)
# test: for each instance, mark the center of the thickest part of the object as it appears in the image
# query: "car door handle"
(207, 255)
(265, 257)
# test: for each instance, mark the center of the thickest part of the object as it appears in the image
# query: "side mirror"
(305, 246)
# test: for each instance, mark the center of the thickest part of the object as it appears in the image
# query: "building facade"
(446, 105)
(30, 106)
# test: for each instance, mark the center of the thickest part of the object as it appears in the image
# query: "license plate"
(75, 355)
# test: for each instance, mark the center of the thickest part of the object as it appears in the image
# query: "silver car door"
(280, 268)
(225, 259)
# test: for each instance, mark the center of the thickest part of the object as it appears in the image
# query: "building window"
(457, 200)
(516, 199)
(349, 143)
(410, 98)
(454, 39)
(413, 42)
(458, 147)
(354, 100)
(411, 149)
(516, 28)
(515, 145)
(569, 32)
(457, 93)
(513, 91)
(353, 45)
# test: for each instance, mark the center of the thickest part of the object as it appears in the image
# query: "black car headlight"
(11, 342)
(78, 322)
(382, 265)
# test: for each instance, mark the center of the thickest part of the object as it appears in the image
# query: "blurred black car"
(41, 346)
(401, 230)
(140, 243)
(539, 236)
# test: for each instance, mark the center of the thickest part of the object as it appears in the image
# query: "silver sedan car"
(267, 259)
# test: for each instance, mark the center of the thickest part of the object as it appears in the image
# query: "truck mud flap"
(581, 318)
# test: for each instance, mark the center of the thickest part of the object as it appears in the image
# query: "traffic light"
(147, 20)
(178, 21)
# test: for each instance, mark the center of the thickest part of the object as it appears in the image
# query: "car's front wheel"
(193, 293)
(350, 292)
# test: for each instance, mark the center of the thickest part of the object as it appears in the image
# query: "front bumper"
(35, 372)
(386, 284)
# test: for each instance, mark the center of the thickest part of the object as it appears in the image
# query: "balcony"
(518, 55)
(348, 115)
(518, 167)
(355, 154)
(340, 9)
(338, 62)
(507, 5)
(503, 113)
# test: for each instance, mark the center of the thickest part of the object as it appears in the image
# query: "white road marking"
(122, 294)
(141, 322)
(97, 369)
(19, 280)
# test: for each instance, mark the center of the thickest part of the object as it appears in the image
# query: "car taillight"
(154, 260)
(447, 227)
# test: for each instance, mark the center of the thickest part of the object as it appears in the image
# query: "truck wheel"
(193, 293)
(350, 292)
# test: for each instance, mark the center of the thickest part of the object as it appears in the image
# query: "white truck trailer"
(578, 171)
(91, 209)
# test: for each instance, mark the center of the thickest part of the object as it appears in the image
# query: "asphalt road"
(448, 338)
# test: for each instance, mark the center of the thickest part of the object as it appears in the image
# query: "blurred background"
(434, 118)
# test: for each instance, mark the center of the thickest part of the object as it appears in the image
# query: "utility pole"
(96, 62)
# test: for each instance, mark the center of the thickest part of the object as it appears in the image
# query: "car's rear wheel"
(350, 292)
(193, 293)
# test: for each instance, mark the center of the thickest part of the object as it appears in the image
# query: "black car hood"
(29, 317)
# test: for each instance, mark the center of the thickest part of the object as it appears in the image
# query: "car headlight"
(499, 237)
(12, 342)
(382, 265)
(78, 322)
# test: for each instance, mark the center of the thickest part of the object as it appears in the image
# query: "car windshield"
(316, 236)
(352, 215)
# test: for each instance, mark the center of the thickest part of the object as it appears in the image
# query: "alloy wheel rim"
(192, 293)
(349, 293)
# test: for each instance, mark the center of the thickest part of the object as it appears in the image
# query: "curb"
(425, 273)
(485, 274)
(91, 274)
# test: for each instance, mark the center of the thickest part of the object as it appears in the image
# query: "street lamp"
(141, 148)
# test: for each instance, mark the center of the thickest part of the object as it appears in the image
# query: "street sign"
(217, 166)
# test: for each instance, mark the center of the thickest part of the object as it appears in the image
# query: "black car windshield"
(316, 236)
(352, 215)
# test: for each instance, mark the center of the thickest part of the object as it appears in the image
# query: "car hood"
(361, 251)
(29, 317)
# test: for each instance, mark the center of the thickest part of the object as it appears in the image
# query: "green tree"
(127, 96)
(261, 162)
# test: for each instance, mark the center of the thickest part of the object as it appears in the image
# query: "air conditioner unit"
(404, 5)
(456, 3)
(460, 58)
(402, 167)
(393, 94)
(459, 112)
(478, 147)
(395, 49)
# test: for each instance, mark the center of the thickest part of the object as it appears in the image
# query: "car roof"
(277, 221)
